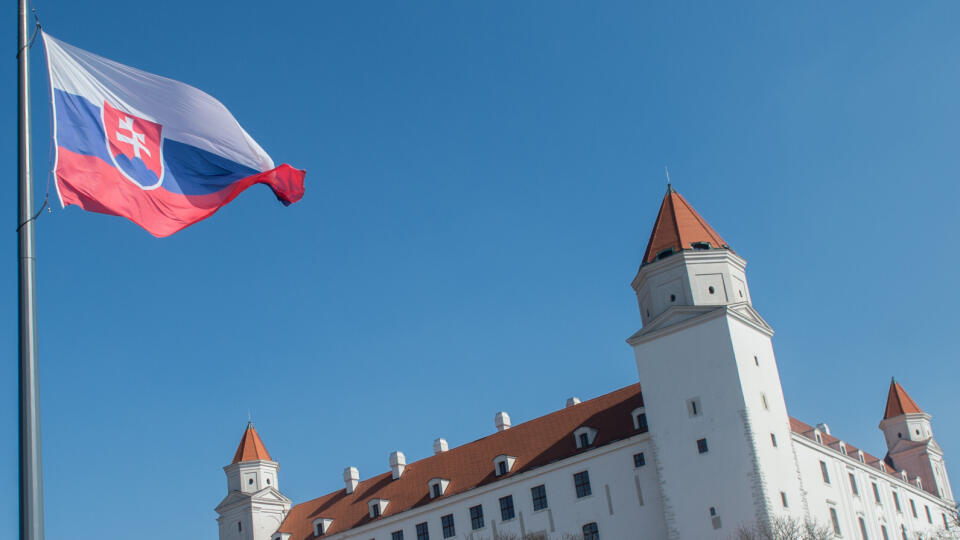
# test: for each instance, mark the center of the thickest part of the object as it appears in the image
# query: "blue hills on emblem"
(136, 169)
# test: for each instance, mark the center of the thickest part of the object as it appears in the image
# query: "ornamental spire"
(899, 402)
(679, 227)
(251, 447)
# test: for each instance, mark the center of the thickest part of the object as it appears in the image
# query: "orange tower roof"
(679, 227)
(251, 447)
(899, 402)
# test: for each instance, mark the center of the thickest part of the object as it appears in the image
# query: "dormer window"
(665, 253)
(700, 245)
(282, 536)
(377, 507)
(883, 467)
(640, 419)
(903, 476)
(503, 464)
(843, 447)
(860, 456)
(321, 526)
(816, 435)
(438, 486)
(584, 436)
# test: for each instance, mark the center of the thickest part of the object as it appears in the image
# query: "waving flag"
(156, 151)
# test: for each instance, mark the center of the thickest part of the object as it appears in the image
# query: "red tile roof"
(534, 444)
(899, 402)
(677, 227)
(251, 447)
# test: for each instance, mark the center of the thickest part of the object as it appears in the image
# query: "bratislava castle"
(701, 447)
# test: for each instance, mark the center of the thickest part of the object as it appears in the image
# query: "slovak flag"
(156, 151)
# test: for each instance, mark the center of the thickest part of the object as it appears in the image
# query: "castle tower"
(254, 507)
(910, 443)
(714, 404)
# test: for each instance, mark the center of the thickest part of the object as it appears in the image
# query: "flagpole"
(31, 473)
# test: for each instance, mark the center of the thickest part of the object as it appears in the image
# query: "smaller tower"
(254, 507)
(910, 443)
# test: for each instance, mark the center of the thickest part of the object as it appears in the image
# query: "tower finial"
(669, 186)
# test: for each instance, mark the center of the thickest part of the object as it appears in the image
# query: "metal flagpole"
(31, 474)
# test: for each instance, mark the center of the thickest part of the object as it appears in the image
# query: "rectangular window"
(539, 494)
(506, 508)
(783, 499)
(591, 532)
(913, 508)
(929, 518)
(584, 440)
(824, 472)
(946, 524)
(863, 529)
(436, 490)
(883, 531)
(423, 531)
(476, 517)
(773, 439)
(903, 532)
(396, 535)
(502, 468)
(446, 522)
(581, 481)
(853, 485)
(702, 446)
(639, 460)
(836, 521)
(642, 423)
(876, 493)
(896, 501)
(375, 510)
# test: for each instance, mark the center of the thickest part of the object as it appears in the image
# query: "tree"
(785, 528)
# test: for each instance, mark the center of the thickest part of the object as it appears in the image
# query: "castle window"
(913, 508)
(506, 508)
(863, 529)
(250, 481)
(396, 535)
(436, 490)
(702, 446)
(876, 493)
(591, 532)
(377, 507)
(581, 481)
(853, 485)
(946, 524)
(711, 290)
(503, 464)
(700, 245)
(239, 526)
(883, 530)
(639, 420)
(446, 522)
(756, 360)
(824, 472)
(584, 436)
(773, 439)
(423, 531)
(438, 486)
(763, 400)
(321, 526)
(819, 438)
(665, 253)
(673, 298)
(903, 532)
(639, 460)
(896, 502)
(860, 456)
(929, 517)
(835, 519)
(783, 499)
(693, 407)
(476, 517)
(539, 495)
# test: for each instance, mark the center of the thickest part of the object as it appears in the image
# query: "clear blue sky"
(482, 177)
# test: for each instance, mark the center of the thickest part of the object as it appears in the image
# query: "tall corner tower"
(254, 507)
(910, 443)
(716, 413)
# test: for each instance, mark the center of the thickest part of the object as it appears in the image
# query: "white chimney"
(351, 477)
(440, 446)
(397, 463)
(571, 401)
(502, 421)
(824, 428)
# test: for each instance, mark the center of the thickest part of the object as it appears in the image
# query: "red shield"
(135, 145)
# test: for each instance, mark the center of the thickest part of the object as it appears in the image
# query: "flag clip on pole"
(31, 473)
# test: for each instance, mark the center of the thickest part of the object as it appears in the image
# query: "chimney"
(351, 477)
(440, 446)
(824, 428)
(502, 421)
(397, 463)
(571, 401)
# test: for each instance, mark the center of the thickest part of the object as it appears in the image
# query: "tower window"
(642, 423)
(673, 298)
(863, 529)
(819, 439)
(591, 532)
(711, 290)
(239, 526)
(423, 531)
(876, 493)
(883, 531)
(700, 245)
(783, 499)
(756, 360)
(694, 408)
(396, 535)
(449, 530)
(476, 517)
(250, 481)
(853, 485)
(702, 446)
(665, 253)
(929, 518)
(896, 501)
(763, 399)
(584, 440)
(502, 468)
(639, 460)
(824, 472)
(268, 481)
(436, 490)
(773, 439)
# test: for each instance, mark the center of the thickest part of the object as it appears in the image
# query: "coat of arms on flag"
(151, 149)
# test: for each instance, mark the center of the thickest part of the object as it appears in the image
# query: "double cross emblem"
(135, 139)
